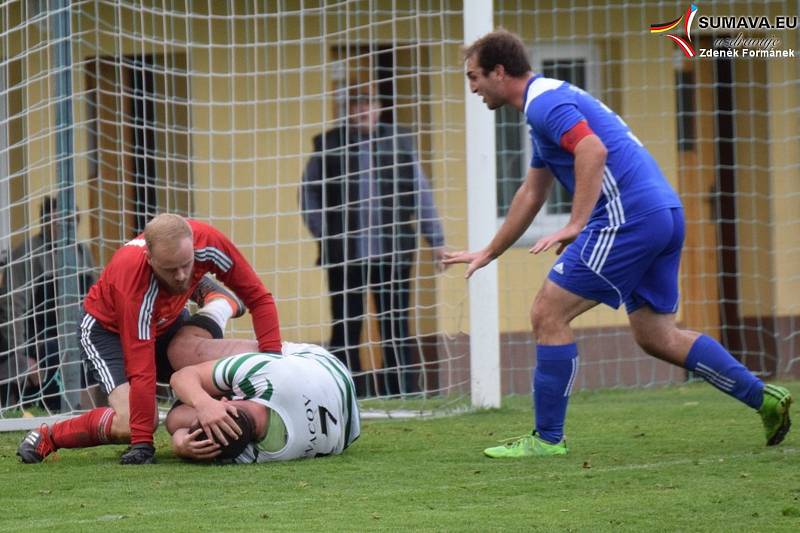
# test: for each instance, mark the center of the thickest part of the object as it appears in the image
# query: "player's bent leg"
(659, 336)
(192, 345)
(552, 311)
(121, 426)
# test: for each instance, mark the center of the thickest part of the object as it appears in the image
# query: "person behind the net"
(366, 200)
(300, 403)
(30, 284)
(135, 329)
(622, 243)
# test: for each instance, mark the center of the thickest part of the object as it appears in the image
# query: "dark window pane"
(686, 109)
(573, 71)
(511, 164)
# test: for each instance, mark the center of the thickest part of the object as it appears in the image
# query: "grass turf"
(677, 459)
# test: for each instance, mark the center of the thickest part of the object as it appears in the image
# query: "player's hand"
(216, 418)
(185, 443)
(562, 238)
(474, 260)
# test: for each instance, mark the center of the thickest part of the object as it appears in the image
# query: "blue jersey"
(633, 184)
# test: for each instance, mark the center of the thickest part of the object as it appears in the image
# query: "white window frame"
(545, 224)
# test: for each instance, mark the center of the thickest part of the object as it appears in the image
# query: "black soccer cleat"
(36, 445)
(139, 454)
(208, 289)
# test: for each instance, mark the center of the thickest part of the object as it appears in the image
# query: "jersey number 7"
(324, 415)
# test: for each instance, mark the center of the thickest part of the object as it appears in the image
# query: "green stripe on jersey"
(246, 385)
(239, 360)
(232, 363)
(224, 386)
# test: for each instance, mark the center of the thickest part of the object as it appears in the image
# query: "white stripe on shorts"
(98, 363)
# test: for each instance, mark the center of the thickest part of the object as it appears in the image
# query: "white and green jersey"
(310, 391)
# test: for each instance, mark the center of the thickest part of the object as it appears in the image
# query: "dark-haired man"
(301, 402)
(622, 243)
(30, 285)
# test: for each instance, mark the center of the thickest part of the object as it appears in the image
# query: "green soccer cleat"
(527, 446)
(774, 413)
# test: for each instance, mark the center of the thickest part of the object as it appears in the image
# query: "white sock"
(218, 310)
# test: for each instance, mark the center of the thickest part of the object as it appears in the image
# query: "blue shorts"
(635, 263)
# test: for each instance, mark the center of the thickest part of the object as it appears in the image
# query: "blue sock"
(556, 368)
(708, 359)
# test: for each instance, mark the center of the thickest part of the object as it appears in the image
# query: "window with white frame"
(572, 62)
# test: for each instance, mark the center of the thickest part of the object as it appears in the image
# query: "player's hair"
(500, 47)
(166, 227)
(235, 446)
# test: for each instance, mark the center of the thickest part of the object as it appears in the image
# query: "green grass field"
(678, 459)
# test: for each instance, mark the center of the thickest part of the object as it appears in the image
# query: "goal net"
(115, 111)
(724, 131)
(243, 114)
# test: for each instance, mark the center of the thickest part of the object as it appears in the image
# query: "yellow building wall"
(784, 177)
(252, 130)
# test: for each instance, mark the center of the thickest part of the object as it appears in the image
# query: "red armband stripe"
(571, 138)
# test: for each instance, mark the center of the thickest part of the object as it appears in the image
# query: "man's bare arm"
(194, 385)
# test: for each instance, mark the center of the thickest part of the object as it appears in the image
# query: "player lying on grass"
(258, 407)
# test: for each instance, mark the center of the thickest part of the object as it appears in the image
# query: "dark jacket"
(28, 294)
(394, 159)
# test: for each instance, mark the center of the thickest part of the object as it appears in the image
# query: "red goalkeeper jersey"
(128, 300)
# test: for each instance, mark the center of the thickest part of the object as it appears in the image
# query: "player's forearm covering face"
(187, 383)
(243, 280)
(194, 386)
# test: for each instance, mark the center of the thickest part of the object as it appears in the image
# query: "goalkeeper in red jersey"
(135, 330)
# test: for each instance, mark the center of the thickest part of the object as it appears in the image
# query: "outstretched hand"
(562, 238)
(474, 260)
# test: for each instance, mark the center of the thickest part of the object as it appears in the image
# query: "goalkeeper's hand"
(139, 454)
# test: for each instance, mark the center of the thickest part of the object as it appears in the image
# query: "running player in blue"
(622, 243)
